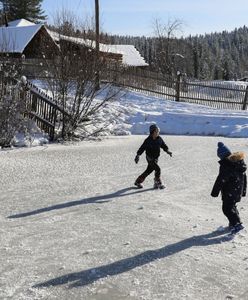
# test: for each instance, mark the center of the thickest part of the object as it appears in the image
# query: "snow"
(134, 112)
(184, 118)
(15, 39)
(20, 23)
(30, 135)
(130, 55)
(74, 227)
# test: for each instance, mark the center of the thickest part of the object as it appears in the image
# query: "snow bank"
(134, 112)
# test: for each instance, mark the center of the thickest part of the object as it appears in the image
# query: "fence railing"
(39, 106)
(217, 94)
(43, 109)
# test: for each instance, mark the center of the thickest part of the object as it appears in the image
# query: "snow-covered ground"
(181, 118)
(134, 112)
(73, 226)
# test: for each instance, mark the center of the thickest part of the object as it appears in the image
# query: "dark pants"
(152, 166)
(230, 210)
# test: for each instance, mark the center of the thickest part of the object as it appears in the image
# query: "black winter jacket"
(231, 180)
(152, 147)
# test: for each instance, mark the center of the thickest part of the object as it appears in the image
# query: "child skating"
(151, 146)
(231, 182)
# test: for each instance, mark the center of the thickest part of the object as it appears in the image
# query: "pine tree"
(23, 9)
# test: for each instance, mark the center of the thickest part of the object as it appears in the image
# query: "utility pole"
(4, 6)
(6, 20)
(97, 40)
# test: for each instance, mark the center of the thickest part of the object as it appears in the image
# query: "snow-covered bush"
(74, 74)
(12, 102)
(10, 116)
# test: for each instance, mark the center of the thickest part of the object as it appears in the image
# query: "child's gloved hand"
(136, 159)
(170, 153)
(214, 195)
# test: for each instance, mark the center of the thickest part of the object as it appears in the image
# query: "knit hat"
(153, 127)
(223, 151)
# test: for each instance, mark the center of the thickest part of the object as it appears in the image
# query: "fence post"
(245, 99)
(178, 83)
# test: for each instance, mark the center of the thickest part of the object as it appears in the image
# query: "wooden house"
(22, 37)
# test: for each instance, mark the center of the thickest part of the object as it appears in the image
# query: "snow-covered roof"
(20, 23)
(15, 39)
(130, 55)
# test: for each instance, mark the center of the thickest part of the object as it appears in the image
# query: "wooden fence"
(42, 109)
(39, 106)
(217, 94)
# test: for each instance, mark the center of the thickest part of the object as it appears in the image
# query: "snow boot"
(138, 184)
(158, 184)
(236, 228)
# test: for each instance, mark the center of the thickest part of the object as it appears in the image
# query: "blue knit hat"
(223, 151)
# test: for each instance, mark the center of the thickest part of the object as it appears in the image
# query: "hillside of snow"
(133, 113)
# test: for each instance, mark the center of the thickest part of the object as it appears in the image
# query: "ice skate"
(236, 228)
(138, 184)
(158, 184)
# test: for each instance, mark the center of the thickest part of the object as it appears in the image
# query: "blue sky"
(136, 17)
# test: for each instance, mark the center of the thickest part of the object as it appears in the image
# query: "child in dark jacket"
(231, 182)
(151, 146)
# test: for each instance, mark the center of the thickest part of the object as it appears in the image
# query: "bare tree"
(166, 55)
(72, 76)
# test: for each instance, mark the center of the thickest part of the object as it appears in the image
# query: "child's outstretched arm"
(136, 159)
(142, 148)
(165, 148)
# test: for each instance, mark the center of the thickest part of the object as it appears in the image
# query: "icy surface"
(73, 226)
